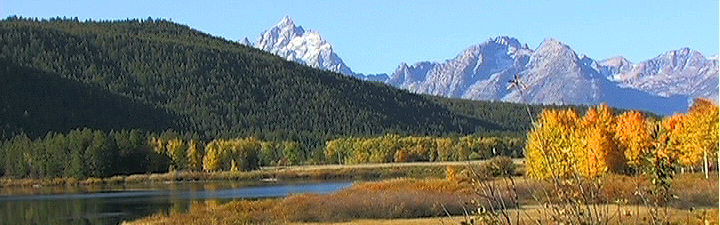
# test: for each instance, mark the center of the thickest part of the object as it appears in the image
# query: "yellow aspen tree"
(443, 148)
(332, 151)
(461, 150)
(672, 137)
(360, 151)
(157, 145)
(596, 150)
(549, 146)
(631, 136)
(700, 132)
(177, 150)
(194, 156)
(211, 160)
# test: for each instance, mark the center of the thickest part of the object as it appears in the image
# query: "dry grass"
(396, 198)
(679, 217)
(694, 191)
(388, 201)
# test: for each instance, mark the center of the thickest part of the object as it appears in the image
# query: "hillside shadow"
(35, 102)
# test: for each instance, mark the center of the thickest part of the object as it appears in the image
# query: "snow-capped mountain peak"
(294, 43)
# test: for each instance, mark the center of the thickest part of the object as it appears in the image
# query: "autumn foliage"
(561, 143)
(394, 148)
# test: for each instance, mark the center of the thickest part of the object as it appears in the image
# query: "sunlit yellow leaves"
(194, 156)
(632, 136)
(549, 146)
(561, 144)
(232, 154)
(699, 132)
(177, 150)
(393, 148)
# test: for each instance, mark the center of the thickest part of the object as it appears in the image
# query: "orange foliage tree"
(631, 136)
(596, 150)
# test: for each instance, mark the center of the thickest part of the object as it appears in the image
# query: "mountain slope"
(36, 102)
(458, 76)
(217, 87)
(556, 75)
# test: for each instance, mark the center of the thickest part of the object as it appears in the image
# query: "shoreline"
(264, 174)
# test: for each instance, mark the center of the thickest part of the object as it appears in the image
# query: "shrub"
(92, 181)
(498, 166)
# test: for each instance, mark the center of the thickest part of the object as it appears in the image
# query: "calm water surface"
(113, 204)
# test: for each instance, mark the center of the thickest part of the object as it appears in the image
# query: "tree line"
(394, 148)
(562, 143)
(83, 153)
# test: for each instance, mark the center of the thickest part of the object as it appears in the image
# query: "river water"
(114, 204)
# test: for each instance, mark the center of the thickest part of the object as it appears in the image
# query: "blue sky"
(375, 36)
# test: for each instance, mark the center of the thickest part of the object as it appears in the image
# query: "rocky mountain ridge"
(552, 73)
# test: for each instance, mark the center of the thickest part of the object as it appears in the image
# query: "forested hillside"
(205, 84)
(35, 102)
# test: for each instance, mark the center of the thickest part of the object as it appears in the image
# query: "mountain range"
(552, 73)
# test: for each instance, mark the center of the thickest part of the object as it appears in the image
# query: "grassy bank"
(387, 201)
(320, 172)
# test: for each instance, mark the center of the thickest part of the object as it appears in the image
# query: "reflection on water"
(113, 204)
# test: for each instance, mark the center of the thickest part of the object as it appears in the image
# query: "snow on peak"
(286, 22)
(292, 42)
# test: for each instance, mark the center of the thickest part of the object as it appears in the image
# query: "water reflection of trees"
(170, 200)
